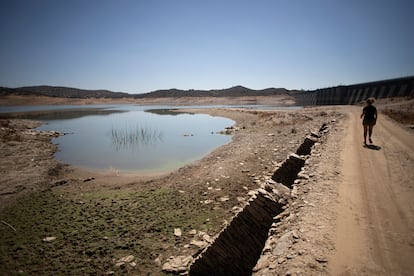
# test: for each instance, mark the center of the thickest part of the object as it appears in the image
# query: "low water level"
(135, 139)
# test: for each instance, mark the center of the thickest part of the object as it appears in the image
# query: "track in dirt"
(375, 217)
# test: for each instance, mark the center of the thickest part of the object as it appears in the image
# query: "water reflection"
(132, 138)
(136, 140)
(64, 114)
(173, 112)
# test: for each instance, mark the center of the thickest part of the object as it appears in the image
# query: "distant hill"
(61, 92)
(67, 92)
(236, 91)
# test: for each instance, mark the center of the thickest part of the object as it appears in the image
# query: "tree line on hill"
(68, 92)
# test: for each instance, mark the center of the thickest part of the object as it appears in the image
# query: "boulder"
(177, 264)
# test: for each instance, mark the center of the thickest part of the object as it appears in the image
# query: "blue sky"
(141, 46)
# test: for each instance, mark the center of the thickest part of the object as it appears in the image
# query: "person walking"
(369, 115)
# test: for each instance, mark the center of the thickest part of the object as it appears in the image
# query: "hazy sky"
(140, 46)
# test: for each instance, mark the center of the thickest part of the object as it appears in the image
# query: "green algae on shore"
(91, 231)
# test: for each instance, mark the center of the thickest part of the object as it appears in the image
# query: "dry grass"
(403, 116)
(398, 109)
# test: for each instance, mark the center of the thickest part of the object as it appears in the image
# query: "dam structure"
(356, 93)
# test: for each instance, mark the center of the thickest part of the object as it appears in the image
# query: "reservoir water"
(131, 138)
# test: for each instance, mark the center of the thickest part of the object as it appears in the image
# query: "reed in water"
(134, 137)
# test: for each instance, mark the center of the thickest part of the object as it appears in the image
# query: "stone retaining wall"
(238, 247)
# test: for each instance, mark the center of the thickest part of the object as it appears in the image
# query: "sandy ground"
(354, 215)
(375, 218)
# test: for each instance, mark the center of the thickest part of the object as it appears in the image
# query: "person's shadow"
(372, 147)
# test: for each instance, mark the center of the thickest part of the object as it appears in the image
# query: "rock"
(224, 198)
(177, 232)
(199, 244)
(237, 209)
(270, 182)
(315, 134)
(177, 264)
(302, 175)
(321, 259)
(294, 193)
(192, 232)
(272, 265)
(157, 261)
(225, 132)
(295, 235)
(252, 193)
(60, 183)
(49, 239)
(290, 256)
(283, 244)
(127, 259)
(263, 262)
(207, 238)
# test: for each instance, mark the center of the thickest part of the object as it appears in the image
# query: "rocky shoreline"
(114, 223)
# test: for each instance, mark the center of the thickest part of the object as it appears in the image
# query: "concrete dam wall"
(351, 94)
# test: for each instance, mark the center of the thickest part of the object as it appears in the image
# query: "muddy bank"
(113, 223)
(27, 164)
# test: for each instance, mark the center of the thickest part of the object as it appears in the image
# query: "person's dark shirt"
(369, 112)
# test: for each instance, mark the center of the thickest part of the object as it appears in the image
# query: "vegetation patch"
(89, 233)
(402, 115)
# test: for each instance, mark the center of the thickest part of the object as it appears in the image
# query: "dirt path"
(375, 218)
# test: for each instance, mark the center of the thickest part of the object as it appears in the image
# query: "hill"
(68, 92)
(236, 91)
(61, 92)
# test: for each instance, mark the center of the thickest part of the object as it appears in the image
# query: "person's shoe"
(370, 140)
